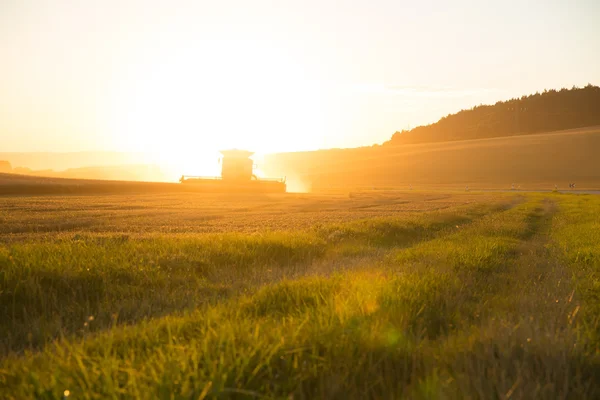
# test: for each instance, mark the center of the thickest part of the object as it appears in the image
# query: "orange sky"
(180, 78)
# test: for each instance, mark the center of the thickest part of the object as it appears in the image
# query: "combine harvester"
(237, 175)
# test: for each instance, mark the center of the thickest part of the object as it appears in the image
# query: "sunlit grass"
(577, 236)
(51, 286)
(434, 306)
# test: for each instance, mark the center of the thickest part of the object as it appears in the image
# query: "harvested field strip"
(27, 217)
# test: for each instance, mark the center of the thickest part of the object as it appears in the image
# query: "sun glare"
(182, 108)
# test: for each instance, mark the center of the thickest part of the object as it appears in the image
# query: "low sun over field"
(299, 200)
(361, 295)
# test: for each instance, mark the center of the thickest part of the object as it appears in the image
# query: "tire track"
(526, 341)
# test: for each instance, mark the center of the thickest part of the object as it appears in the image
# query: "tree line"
(540, 112)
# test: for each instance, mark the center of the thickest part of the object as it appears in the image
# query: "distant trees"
(540, 112)
(5, 166)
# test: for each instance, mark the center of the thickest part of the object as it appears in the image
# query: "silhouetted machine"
(237, 175)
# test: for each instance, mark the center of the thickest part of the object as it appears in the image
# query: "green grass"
(50, 287)
(577, 238)
(476, 301)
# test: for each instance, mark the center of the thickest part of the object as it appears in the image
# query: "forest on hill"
(551, 110)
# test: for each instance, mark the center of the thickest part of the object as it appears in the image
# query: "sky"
(177, 79)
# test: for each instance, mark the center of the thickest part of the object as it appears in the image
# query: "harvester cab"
(237, 165)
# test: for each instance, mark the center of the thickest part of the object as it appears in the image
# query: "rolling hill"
(536, 161)
(536, 141)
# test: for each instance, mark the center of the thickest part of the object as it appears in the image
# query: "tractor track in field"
(530, 323)
(333, 263)
(536, 287)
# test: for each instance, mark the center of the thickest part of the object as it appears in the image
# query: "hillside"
(537, 161)
(551, 110)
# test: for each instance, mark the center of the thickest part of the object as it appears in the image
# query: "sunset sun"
(182, 107)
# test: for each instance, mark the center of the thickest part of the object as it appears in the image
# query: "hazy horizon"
(179, 81)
